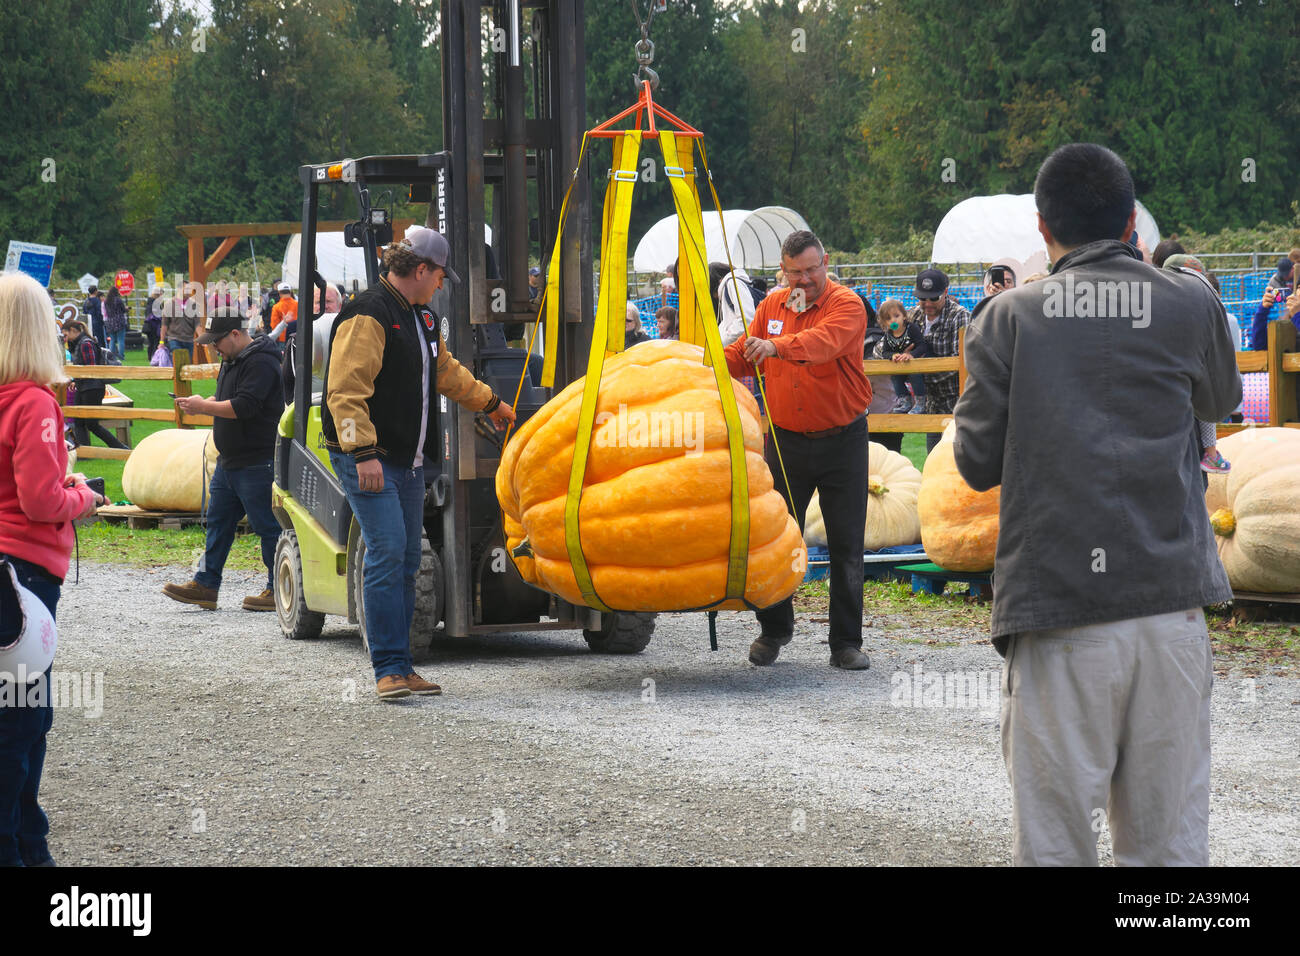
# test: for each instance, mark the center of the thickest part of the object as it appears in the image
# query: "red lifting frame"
(644, 103)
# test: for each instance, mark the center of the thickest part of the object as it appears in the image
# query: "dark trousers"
(151, 339)
(232, 494)
(80, 426)
(891, 440)
(23, 824)
(836, 467)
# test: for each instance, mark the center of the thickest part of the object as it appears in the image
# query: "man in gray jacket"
(1080, 399)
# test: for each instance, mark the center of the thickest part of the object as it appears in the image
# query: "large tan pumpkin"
(892, 519)
(1255, 509)
(655, 518)
(959, 526)
(167, 471)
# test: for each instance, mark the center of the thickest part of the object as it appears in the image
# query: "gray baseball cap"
(429, 244)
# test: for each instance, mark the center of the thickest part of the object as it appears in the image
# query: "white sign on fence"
(32, 258)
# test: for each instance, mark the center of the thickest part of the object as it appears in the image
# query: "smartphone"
(998, 274)
(97, 486)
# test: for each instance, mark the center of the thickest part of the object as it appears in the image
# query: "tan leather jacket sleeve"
(355, 359)
(458, 383)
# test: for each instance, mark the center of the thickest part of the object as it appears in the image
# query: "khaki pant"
(1109, 724)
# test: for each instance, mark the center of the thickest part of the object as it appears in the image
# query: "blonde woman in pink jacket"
(38, 503)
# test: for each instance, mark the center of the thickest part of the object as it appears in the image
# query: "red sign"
(125, 282)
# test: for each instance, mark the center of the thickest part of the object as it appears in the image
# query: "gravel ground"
(220, 742)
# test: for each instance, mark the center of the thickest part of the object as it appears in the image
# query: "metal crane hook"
(645, 49)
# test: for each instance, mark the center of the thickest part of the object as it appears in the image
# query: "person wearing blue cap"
(941, 319)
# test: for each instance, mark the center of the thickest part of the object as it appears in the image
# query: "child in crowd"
(666, 319)
(902, 337)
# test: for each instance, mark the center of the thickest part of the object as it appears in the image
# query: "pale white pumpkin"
(893, 483)
(170, 470)
(1255, 509)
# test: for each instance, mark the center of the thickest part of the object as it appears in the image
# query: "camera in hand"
(97, 486)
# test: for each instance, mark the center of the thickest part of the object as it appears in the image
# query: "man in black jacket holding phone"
(245, 413)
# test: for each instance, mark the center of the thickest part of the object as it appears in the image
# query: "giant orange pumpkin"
(655, 517)
(959, 526)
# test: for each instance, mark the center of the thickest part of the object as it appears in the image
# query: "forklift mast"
(504, 155)
(526, 153)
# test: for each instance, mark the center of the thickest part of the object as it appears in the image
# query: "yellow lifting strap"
(607, 335)
(689, 320)
(693, 259)
(551, 294)
(758, 372)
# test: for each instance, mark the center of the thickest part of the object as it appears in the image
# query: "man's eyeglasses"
(929, 298)
(797, 275)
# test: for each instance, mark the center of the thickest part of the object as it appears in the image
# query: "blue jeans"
(391, 522)
(174, 344)
(23, 824)
(900, 385)
(117, 342)
(234, 493)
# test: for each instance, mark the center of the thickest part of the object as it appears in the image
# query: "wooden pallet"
(136, 517)
(932, 579)
(1265, 598)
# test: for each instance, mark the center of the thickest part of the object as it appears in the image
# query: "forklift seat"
(498, 358)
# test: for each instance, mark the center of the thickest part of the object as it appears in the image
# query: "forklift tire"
(622, 632)
(297, 621)
(429, 588)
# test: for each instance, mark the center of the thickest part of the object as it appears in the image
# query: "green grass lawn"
(146, 394)
(153, 548)
(914, 449)
(119, 544)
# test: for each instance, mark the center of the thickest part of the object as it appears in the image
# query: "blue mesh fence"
(651, 304)
(1240, 291)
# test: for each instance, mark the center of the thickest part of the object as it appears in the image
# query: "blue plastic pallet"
(875, 564)
(932, 579)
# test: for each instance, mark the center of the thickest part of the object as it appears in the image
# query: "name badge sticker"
(774, 326)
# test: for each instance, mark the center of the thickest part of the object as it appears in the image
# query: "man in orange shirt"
(282, 313)
(806, 340)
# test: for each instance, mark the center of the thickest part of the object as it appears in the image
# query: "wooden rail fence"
(180, 375)
(1280, 360)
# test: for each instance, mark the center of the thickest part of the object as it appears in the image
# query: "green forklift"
(466, 584)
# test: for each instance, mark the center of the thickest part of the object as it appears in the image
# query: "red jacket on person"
(36, 509)
(816, 381)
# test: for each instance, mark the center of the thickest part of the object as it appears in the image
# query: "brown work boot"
(260, 602)
(392, 687)
(192, 593)
(418, 685)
